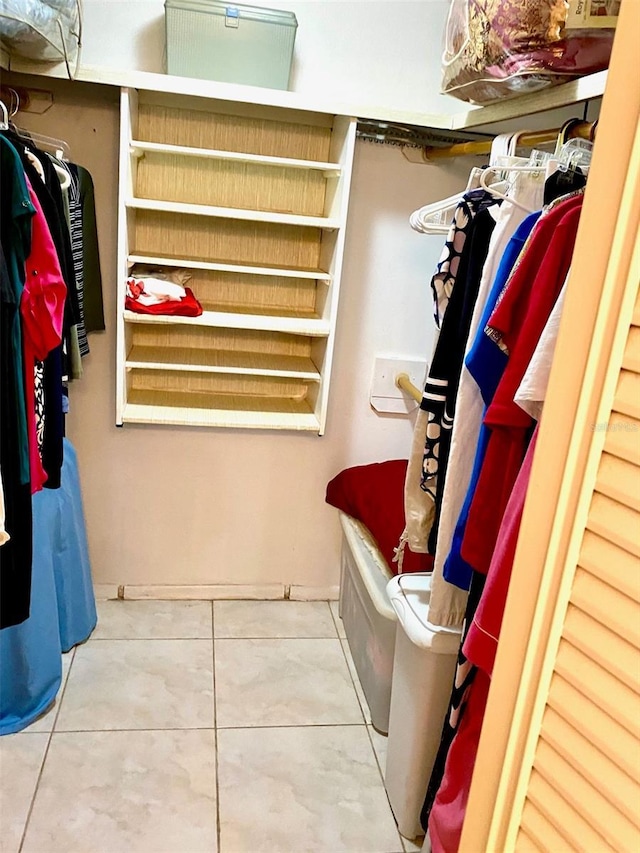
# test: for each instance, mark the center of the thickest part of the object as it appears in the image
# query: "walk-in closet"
(320, 413)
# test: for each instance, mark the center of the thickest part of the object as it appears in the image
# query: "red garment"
(374, 494)
(42, 310)
(481, 644)
(520, 318)
(187, 307)
(449, 807)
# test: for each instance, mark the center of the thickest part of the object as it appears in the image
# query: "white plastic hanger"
(63, 176)
(58, 147)
(498, 193)
(505, 165)
(436, 218)
(574, 153)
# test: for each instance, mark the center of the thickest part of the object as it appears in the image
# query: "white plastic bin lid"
(409, 596)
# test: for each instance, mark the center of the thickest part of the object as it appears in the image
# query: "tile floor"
(192, 727)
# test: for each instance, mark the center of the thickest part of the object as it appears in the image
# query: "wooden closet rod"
(583, 130)
(403, 382)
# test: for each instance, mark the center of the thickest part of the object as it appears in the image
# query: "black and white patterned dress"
(455, 289)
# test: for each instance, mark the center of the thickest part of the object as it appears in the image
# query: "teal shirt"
(17, 212)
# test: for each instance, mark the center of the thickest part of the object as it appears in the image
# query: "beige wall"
(170, 505)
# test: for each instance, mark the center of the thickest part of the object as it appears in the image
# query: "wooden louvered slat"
(631, 358)
(612, 608)
(618, 700)
(623, 438)
(610, 563)
(540, 832)
(591, 802)
(619, 480)
(566, 820)
(525, 844)
(606, 734)
(604, 647)
(615, 522)
(635, 320)
(593, 766)
(627, 398)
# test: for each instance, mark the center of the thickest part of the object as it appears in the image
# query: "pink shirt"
(42, 310)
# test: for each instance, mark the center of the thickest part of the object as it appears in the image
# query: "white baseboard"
(105, 591)
(215, 592)
(205, 592)
(314, 593)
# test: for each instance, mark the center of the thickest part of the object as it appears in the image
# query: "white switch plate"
(386, 397)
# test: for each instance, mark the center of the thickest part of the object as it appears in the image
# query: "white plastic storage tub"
(423, 669)
(369, 619)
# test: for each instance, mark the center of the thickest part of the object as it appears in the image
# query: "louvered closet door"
(558, 764)
(583, 792)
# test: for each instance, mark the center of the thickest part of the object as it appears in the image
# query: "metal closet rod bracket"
(411, 137)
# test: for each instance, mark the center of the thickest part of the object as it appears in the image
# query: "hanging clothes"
(448, 601)
(462, 682)
(42, 308)
(420, 486)
(522, 308)
(516, 326)
(484, 363)
(440, 394)
(532, 390)
(76, 233)
(481, 643)
(447, 814)
(56, 363)
(16, 211)
(39, 313)
(93, 305)
(16, 552)
(523, 325)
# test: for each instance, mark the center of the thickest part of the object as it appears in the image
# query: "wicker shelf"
(217, 410)
(140, 148)
(247, 269)
(327, 222)
(222, 361)
(222, 320)
(253, 204)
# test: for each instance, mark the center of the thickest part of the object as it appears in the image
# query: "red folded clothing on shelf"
(188, 306)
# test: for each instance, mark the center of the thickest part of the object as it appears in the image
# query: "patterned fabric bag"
(502, 48)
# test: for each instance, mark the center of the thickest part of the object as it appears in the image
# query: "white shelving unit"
(246, 188)
(252, 201)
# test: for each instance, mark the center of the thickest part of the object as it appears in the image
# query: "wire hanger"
(4, 121)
